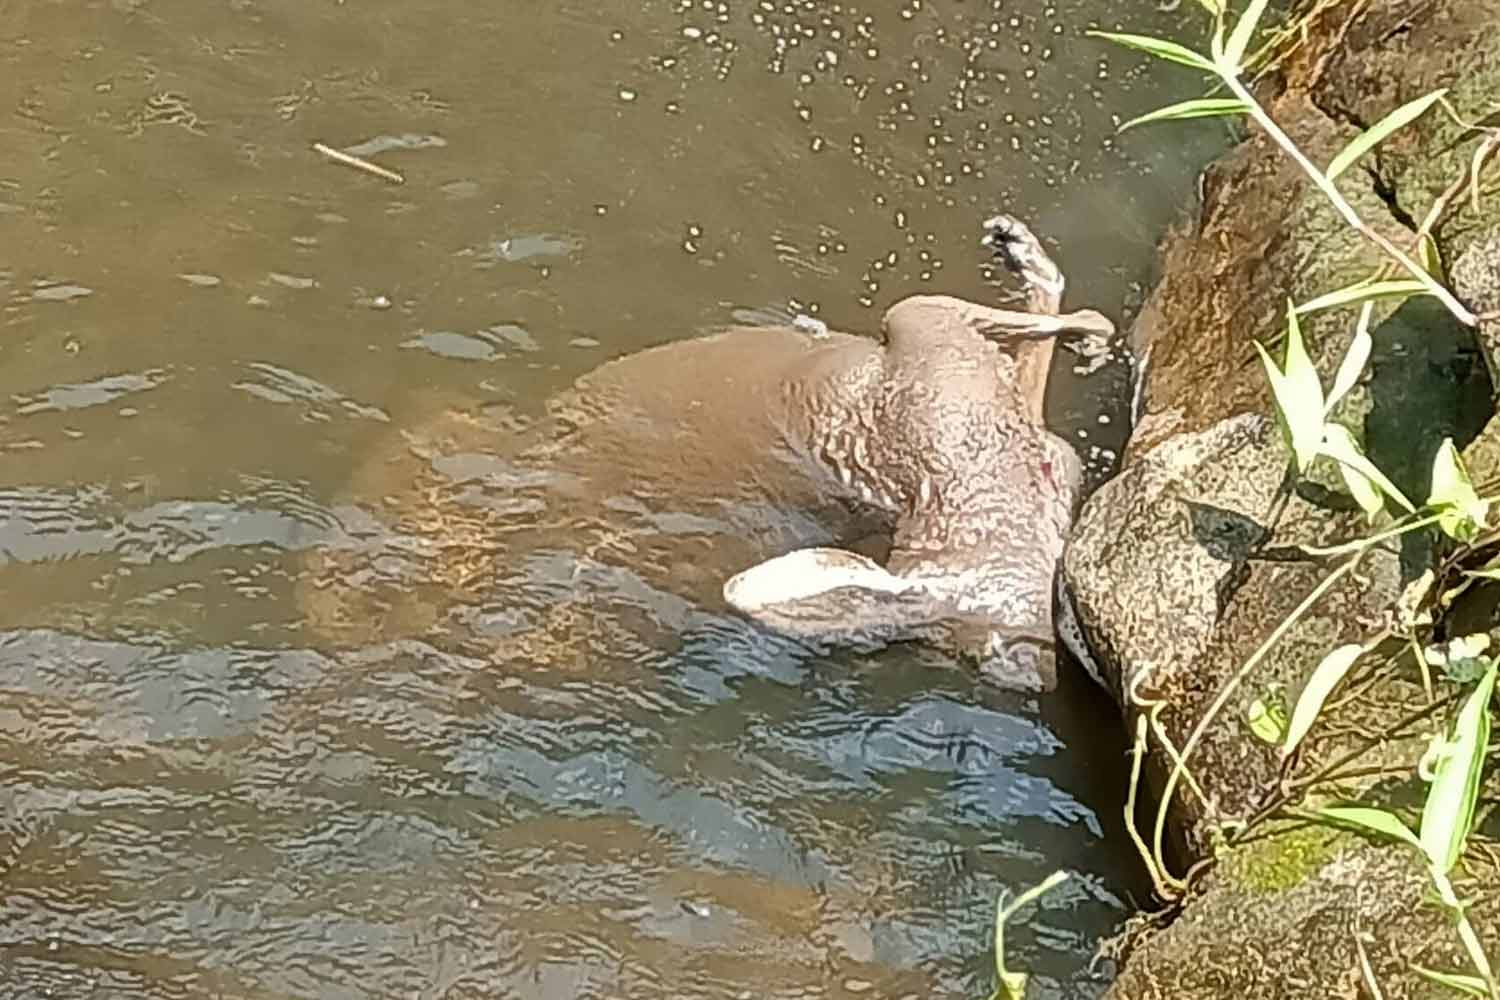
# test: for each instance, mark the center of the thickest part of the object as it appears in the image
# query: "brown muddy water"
(276, 721)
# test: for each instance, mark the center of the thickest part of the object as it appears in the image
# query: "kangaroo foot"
(1021, 252)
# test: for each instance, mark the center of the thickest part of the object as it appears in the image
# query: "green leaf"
(1448, 812)
(1363, 291)
(1430, 256)
(1379, 821)
(1472, 985)
(1338, 444)
(1325, 677)
(1485, 574)
(1160, 48)
(1234, 49)
(1203, 107)
(1298, 394)
(1372, 136)
(1267, 721)
(1355, 359)
(1461, 514)
(1214, 7)
(1365, 493)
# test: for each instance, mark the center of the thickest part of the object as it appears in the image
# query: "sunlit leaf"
(1485, 574)
(1363, 291)
(1239, 40)
(1159, 47)
(1319, 686)
(1448, 812)
(1372, 136)
(1267, 721)
(1482, 153)
(1338, 444)
(1375, 820)
(1430, 256)
(1461, 514)
(1355, 359)
(1365, 492)
(1216, 40)
(1298, 394)
(1203, 107)
(1472, 985)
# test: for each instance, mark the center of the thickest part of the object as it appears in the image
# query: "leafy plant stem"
(1363, 544)
(1158, 840)
(1342, 206)
(1229, 688)
(1012, 985)
(1466, 933)
(1333, 771)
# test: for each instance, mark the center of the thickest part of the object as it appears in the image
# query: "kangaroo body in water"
(949, 437)
(774, 444)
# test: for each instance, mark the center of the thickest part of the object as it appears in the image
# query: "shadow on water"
(225, 365)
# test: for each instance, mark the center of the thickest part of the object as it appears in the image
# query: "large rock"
(1182, 567)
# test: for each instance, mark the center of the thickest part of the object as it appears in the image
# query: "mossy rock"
(1361, 905)
(1182, 567)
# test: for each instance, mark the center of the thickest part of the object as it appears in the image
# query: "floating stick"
(358, 163)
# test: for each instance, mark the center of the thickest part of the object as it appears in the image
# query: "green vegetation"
(1287, 860)
(1012, 985)
(1454, 764)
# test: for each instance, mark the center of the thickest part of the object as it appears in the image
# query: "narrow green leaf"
(1448, 812)
(1338, 444)
(1325, 677)
(1160, 48)
(1355, 359)
(1306, 394)
(1298, 394)
(1365, 492)
(1363, 291)
(1216, 40)
(1461, 514)
(1476, 166)
(1430, 256)
(1375, 820)
(1239, 40)
(1485, 574)
(1372, 136)
(1214, 7)
(1472, 985)
(1203, 107)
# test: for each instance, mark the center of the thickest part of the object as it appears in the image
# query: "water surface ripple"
(296, 698)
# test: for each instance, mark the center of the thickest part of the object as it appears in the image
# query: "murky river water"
(222, 775)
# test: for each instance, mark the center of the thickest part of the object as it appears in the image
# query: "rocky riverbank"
(1183, 565)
